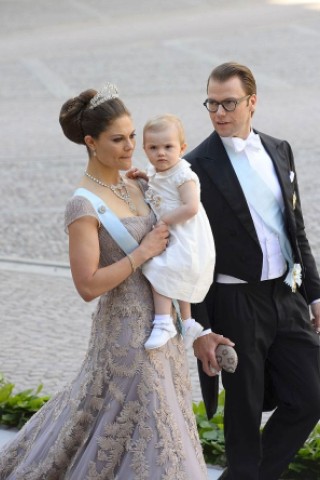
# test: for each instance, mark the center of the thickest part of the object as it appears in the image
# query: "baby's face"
(163, 147)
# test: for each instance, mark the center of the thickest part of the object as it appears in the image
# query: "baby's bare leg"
(162, 304)
(185, 310)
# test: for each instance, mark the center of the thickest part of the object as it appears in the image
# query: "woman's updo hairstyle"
(90, 113)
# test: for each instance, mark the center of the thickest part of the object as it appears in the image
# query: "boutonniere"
(294, 277)
(294, 200)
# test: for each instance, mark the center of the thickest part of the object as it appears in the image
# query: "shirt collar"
(238, 144)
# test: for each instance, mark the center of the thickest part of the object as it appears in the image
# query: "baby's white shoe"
(160, 335)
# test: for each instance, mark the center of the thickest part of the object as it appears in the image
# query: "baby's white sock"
(162, 319)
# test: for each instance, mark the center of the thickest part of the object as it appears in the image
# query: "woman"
(127, 415)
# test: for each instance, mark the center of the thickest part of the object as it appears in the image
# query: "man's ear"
(253, 103)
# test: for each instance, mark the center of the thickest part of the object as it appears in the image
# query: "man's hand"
(204, 349)
(315, 311)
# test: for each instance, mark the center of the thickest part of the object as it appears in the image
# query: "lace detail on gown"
(127, 415)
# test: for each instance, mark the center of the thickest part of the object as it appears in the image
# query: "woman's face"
(115, 146)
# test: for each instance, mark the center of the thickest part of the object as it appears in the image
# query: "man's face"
(238, 122)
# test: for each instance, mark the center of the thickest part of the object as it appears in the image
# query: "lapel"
(282, 168)
(219, 168)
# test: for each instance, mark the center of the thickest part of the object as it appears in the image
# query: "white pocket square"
(291, 176)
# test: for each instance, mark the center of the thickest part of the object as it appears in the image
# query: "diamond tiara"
(108, 92)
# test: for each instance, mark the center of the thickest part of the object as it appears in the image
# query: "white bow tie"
(253, 141)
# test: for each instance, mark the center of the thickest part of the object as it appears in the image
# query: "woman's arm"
(190, 204)
(84, 251)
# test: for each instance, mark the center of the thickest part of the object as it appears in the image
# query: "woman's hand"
(155, 242)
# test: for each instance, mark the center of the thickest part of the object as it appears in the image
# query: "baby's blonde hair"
(161, 122)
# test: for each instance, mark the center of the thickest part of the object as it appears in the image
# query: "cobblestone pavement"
(160, 55)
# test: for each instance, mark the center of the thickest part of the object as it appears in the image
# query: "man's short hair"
(227, 70)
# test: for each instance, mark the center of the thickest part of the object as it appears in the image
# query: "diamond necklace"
(120, 190)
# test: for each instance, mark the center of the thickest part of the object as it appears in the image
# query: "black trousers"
(271, 327)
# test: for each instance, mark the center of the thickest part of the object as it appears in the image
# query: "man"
(265, 278)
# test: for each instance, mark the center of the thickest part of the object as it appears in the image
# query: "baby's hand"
(161, 222)
(134, 173)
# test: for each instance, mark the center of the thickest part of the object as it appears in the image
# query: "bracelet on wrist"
(133, 265)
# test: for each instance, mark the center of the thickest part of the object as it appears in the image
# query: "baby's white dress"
(184, 271)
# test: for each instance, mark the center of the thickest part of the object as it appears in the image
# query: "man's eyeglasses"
(229, 105)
